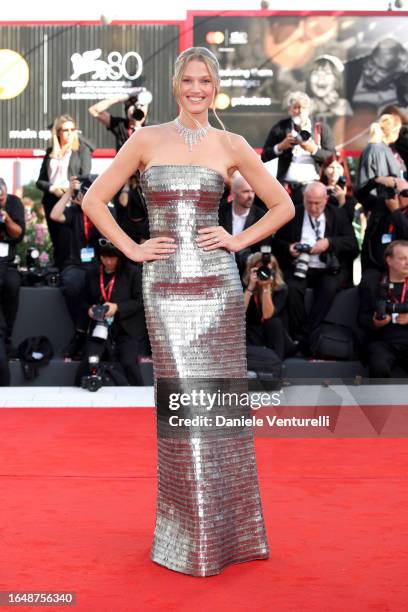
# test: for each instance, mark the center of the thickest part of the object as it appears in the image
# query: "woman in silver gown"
(208, 513)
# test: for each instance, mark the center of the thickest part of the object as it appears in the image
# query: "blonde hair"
(207, 57)
(253, 260)
(375, 133)
(390, 125)
(56, 127)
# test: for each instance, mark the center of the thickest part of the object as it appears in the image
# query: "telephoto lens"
(302, 261)
(264, 272)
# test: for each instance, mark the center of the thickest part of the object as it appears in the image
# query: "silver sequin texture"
(208, 513)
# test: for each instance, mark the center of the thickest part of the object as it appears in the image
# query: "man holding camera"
(115, 307)
(12, 229)
(301, 145)
(311, 250)
(84, 239)
(388, 220)
(384, 313)
(136, 108)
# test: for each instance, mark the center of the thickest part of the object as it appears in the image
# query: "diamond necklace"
(191, 137)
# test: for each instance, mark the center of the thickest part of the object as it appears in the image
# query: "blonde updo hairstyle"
(207, 57)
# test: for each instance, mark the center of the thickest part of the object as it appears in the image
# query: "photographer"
(118, 329)
(136, 109)
(132, 210)
(384, 313)
(311, 251)
(83, 241)
(301, 145)
(388, 220)
(70, 155)
(265, 298)
(12, 228)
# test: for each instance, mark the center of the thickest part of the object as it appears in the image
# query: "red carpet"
(77, 512)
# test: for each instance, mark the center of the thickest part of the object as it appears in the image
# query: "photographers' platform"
(42, 311)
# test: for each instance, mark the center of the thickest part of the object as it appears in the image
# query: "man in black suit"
(330, 236)
(240, 213)
(301, 144)
(388, 220)
(383, 313)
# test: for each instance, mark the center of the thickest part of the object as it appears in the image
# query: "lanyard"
(315, 227)
(392, 297)
(87, 227)
(109, 286)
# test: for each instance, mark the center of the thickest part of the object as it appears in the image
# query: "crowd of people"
(336, 224)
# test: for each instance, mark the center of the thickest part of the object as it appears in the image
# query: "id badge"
(4, 249)
(87, 255)
(386, 238)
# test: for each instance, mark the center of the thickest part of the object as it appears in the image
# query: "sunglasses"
(403, 193)
(68, 130)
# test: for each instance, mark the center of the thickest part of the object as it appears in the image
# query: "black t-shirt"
(74, 218)
(120, 126)
(254, 310)
(15, 208)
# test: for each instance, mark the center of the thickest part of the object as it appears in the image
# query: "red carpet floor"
(77, 513)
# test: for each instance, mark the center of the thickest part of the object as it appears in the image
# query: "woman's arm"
(267, 188)
(106, 186)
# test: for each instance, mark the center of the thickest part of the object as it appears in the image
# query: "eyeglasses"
(403, 193)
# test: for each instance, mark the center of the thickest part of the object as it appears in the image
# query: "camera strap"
(88, 225)
(315, 227)
(106, 291)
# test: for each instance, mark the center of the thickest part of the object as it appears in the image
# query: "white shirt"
(58, 170)
(309, 236)
(238, 221)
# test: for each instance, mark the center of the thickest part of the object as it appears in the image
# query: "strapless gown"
(208, 512)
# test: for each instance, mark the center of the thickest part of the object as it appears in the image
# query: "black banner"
(46, 71)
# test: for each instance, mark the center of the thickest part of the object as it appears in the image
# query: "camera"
(2, 221)
(93, 382)
(101, 328)
(341, 183)
(389, 193)
(332, 263)
(384, 305)
(298, 134)
(264, 272)
(143, 98)
(86, 181)
(302, 262)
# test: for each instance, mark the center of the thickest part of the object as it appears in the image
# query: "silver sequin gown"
(209, 513)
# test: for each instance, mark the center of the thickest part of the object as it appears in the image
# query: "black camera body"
(386, 306)
(332, 262)
(389, 193)
(93, 381)
(99, 311)
(301, 136)
(302, 247)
